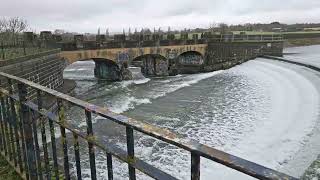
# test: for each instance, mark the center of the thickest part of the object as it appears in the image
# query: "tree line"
(11, 29)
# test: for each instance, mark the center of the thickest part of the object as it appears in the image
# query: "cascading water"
(262, 110)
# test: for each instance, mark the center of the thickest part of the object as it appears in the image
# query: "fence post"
(43, 136)
(90, 145)
(63, 139)
(27, 126)
(15, 125)
(130, 149)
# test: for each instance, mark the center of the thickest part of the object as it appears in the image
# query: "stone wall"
(107, 70)
(223, 55)
(154, 65)
(218, 55)
(44, 69)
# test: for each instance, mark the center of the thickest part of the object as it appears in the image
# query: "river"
(262, 110)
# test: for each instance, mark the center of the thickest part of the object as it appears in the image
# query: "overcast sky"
(88, 15)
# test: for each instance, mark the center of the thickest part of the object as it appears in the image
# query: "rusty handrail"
(196, 149)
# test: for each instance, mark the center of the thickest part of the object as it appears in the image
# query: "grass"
(6, 171)
(302, 32)
(18, 52)
(302, 42)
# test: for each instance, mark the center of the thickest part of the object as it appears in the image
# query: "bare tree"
(223, 28)
(17, 25)
(2, 25)
(11, 28)
(3, 28)
(212, 26)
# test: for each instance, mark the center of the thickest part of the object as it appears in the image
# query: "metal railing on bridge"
(132, 43)
(23, 119)
(245, 38)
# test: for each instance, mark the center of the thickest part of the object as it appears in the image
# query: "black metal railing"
(22, 119)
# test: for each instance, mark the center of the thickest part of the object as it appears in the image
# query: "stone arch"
(190, 62)
(152, 64)
(190, 58)
(107, 69)
(74, 56)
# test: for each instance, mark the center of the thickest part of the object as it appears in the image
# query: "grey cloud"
(88, 15)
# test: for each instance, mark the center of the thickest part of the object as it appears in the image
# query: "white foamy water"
(277, 139)
(262, 111)
(127, 103)
(170, 86)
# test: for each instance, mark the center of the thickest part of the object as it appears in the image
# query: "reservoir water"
(262, 110)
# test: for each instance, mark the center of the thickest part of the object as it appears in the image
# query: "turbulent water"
(262, 110)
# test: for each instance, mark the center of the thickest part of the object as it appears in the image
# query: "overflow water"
(262, 110)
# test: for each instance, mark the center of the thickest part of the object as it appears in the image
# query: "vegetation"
(11, 29)
(11, 53)
(12, 39)
(6, 171)
(302, 42)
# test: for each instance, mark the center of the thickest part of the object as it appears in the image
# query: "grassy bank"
(301, 42)
(6, 171)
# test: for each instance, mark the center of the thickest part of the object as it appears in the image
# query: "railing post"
(77, 155)
(36, 143)
(2, 122)
(43, 136)
(6, 140)
(54, 150)
(27, 126)
(10, 128)
(130, 149)
(15, 125)
(109, 166)
(63, 139)
(90, 145)
(195, 166)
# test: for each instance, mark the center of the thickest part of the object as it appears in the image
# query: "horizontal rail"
(117, 152)
(196, 149)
